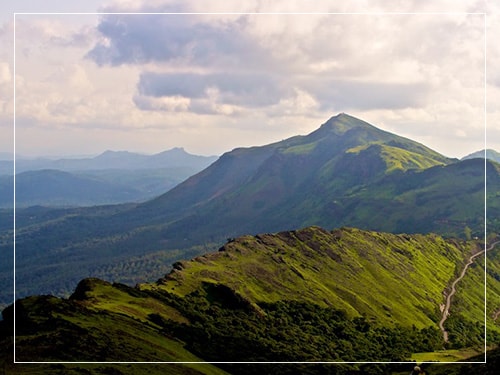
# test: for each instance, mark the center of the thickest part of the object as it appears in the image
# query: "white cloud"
(341, 62)
(417, 75)
(175, 103)
(5, 73)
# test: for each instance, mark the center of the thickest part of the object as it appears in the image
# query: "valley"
(110, 178)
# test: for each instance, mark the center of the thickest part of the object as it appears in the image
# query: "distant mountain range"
(346, 173)
(490, 154)
(112, 160)
(110, 178)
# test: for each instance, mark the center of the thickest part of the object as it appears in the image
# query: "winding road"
(446, 310)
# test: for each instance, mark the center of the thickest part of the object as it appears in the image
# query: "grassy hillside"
(55, 330)
(330, 269)
(304, 295)
(450, 198)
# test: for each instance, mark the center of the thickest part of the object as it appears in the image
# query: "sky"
(215, 75)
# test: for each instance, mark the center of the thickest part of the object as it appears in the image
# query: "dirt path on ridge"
(446, 310)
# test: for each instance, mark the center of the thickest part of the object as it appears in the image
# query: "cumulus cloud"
(144, 38)
(358, 62)
(38, 35)
(219, 71)
(253, 90)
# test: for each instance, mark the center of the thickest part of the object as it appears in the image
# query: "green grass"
(300, 149)
(406, 275)
(52, 329)
(104, 296)
(451, 355)
(400, 159)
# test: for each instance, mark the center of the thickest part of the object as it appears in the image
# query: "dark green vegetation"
(50, 329)
(346, 173)
(305, 295)
(110, 178)
(489, 368)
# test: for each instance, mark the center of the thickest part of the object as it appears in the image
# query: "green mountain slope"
(49, 329)
(304, 295)
(268, 175)
(446, 199)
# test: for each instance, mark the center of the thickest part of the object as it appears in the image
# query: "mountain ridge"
(108, 159)
(293, 265)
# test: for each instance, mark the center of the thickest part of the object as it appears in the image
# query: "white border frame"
(262, 13)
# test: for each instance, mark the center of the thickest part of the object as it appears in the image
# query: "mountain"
(490, 154)
(282, 185)
(176, 157)
(346, 173)
(302, 295)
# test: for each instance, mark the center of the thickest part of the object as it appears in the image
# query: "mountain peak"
(344, 122)
(347, 131)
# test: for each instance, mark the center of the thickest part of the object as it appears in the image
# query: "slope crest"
(406, 274)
